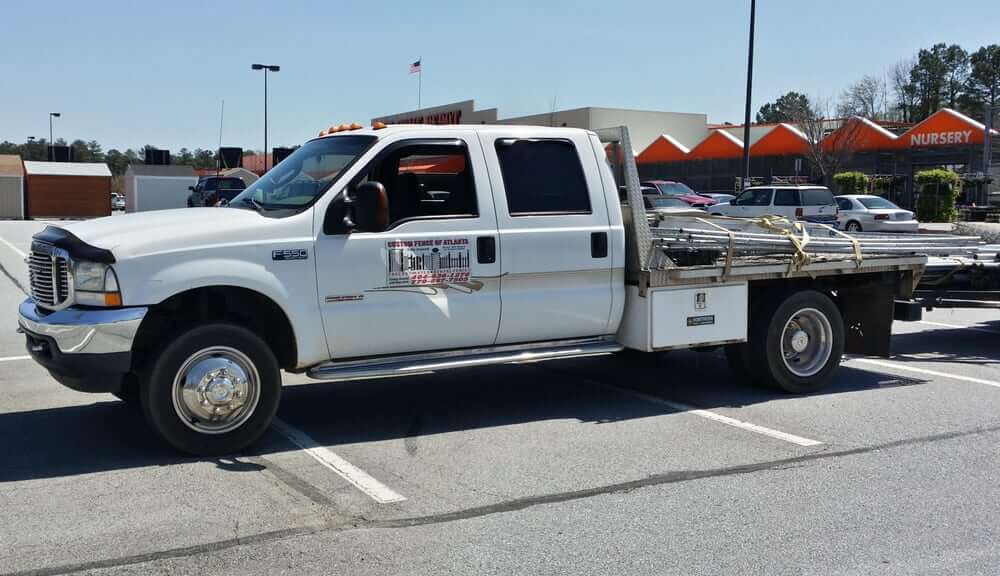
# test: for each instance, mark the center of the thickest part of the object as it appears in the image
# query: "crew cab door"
(556, 269)
(429, 279)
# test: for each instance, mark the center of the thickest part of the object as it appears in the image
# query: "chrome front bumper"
(83, 331)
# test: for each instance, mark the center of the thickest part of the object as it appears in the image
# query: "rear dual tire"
(795, 344)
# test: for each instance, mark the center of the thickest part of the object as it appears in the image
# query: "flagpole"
(420, 81)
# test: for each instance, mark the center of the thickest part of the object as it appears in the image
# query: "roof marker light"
(378, 125)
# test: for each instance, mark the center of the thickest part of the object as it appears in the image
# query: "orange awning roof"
(945, 127)
(663, 149)
(782, 140)
(718, 144)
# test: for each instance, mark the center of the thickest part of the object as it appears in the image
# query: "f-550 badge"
(290, 254)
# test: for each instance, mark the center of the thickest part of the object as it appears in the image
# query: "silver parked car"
(864, 213)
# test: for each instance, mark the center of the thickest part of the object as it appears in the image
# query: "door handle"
(486, 249)
(599, 245)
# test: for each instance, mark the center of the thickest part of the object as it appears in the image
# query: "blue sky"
(129, 74)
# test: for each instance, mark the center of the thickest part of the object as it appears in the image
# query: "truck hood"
(131, 235)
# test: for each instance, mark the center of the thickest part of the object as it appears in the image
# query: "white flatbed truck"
(387, 251)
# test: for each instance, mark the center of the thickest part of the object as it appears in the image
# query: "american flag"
(415, 67)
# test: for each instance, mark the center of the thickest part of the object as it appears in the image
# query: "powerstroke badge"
(290, 254)
(427, 262)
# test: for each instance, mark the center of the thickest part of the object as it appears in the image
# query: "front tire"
(853, 226)
(798, 346)
(213, 390)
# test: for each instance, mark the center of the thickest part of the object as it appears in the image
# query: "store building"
(644, 125)
(782, 152)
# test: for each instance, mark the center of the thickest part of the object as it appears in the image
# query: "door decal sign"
(429, 262)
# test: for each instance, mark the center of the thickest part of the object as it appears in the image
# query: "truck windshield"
(305, 175)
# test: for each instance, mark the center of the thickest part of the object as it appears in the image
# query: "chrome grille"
(48, 274)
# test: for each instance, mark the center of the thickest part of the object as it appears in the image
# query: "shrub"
(851, 182)
(937, 191)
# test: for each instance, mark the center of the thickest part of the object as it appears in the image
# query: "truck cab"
(362, 244)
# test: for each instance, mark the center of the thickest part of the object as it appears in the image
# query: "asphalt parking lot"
(620, 464)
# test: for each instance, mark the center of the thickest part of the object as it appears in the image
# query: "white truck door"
(556, 270)
(429, 280)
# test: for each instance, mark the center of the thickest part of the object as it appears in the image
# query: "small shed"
(67, 189)
(243, 174)
(11, 186)
(157, 187)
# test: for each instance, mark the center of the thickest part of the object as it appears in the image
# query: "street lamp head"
(256, 66)
(55, 114)
(268, 67)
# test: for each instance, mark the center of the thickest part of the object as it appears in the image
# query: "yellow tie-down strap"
(800, 258)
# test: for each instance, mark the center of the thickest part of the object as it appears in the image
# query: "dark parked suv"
(211, 190)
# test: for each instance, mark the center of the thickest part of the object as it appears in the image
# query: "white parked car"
(718, 196)
(812, 203)
(863, 213)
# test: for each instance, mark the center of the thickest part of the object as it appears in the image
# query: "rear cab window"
(542, 177)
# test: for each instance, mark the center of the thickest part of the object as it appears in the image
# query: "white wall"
(756, 132)
(643, 126)
(11, 197)
(144, 193)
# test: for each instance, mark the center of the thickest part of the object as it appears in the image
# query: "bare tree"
(903, 89)
(866, 98)
(830, 141)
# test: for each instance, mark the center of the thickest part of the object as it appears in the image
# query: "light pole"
(52, 152)
(266, 68)
(746, 119)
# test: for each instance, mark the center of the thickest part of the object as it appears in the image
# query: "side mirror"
(367, 208)
(191, 188)
(732, 202)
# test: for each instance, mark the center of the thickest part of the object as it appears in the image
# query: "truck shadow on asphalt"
(109, 435)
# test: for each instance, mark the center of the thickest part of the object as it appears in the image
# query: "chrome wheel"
(216, 390)
(806, 342)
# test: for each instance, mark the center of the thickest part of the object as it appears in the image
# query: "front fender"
(147, 282)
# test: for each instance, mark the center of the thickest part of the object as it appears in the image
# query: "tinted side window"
(817, 197)
(844, 204)
(542, 177)
(755, 197)
(786, 197)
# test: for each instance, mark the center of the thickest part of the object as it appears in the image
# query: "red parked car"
(679, 190)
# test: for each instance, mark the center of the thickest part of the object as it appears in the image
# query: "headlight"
(95, 284)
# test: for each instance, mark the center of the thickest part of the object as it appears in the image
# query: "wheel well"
(865, 301)
(232, 304)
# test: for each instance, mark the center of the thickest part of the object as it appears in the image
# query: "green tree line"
(117, 161)
(941, 76)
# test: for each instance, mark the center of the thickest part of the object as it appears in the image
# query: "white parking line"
(750, 427)
(7, 243)
(14, 358)
(904, 368)
(356, 476)
(958, 326)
